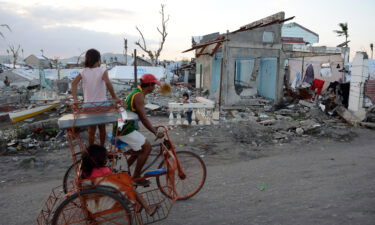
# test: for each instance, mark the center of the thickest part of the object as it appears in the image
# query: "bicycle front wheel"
(195, 175)
(93, 206)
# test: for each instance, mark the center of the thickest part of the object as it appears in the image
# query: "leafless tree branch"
(163, 32)
(4, 25)
(14, 53)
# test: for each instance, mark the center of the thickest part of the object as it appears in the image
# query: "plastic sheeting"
(127, 72)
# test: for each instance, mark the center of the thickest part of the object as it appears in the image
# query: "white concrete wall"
(295, 65)
(360, 74)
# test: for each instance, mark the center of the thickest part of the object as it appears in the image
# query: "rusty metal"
(94, 107)
(154, 197)
(370, 90)
(50, 205)
(58, 200)
(220, 39)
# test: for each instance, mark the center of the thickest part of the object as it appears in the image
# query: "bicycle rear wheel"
(93, 206)
(68, 179)
(70, 174)
(195, 176)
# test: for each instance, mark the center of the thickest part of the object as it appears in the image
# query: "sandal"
(143, 182)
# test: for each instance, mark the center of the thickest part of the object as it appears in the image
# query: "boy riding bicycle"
(129, 134)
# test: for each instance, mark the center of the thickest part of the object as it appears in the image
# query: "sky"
(67, 28)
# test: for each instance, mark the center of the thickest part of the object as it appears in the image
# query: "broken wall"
(204, 70)
(260, 46)
(328, 74)
(359, 75)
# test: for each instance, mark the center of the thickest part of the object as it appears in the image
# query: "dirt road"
(319, 182)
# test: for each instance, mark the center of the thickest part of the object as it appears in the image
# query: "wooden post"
(303, 62)
(221, 80)
(135, 68)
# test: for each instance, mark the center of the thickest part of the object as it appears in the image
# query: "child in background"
(95, 80)
(94, 165)
(189, 112)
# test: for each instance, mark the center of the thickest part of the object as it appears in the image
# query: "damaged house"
(238, 65)
(260, 58)
(38, 62)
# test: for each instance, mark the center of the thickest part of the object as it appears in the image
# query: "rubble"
(347, 115)
(299, 131)
(368, 125)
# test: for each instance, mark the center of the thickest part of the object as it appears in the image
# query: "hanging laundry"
(296, 80)
(309, 75)
(317, 86)
(325, 70)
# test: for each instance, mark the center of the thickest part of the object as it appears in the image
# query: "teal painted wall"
(216, 71)
(267, 78)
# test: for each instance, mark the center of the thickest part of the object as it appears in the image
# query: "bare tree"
(15, 53)
(79, 57)
(154, 56)
(6, 26)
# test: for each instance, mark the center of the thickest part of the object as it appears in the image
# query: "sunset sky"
(68, 27)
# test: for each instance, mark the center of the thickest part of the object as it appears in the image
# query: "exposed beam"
(215, 49)
(222, 39)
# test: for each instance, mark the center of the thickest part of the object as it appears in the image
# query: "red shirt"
(100, 172)
(317, 84)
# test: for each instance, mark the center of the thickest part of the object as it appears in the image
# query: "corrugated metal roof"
(370, 90)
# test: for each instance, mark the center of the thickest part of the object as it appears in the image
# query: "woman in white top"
(95, 81)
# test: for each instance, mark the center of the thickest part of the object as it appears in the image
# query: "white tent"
(127, 72)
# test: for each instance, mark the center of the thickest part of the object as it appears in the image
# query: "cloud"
(63, 41)
(71, 29)
(47, 14)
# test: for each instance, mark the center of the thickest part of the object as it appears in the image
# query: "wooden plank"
(180, 106)
(28, 113)
(215, 49)
(84, 120)
(205, 44)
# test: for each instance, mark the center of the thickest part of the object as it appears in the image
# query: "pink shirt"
(99, 172)
(94, 89)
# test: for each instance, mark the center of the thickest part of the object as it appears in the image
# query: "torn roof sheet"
(275, 18)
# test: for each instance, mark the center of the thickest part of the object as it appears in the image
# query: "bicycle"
(192, 163)
(94, 201)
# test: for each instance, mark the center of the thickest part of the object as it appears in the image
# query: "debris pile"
(281, 123)
(33, 134)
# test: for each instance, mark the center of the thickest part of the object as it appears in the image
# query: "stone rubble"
(261, 122)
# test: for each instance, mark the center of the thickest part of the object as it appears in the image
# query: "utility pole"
(126, 51)
(135, 68)
(372, 50)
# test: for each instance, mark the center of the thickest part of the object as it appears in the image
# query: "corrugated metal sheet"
(370, 90)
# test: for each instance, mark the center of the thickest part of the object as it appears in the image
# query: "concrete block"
(306, 103)
(348, 115)
(216, 115)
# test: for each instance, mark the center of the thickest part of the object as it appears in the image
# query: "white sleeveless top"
(94, 89)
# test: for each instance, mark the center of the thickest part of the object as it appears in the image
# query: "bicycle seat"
(156, 172)
(117, 142)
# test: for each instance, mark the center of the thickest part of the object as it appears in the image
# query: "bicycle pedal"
(144, 183)
(145, 186)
